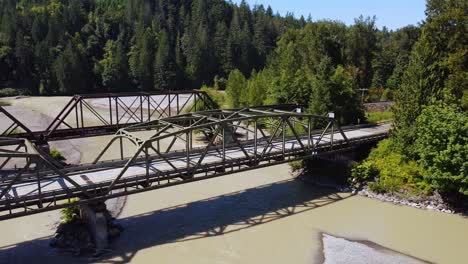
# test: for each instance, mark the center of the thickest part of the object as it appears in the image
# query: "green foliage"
(442, 147)
(16, 131)
(257, 87)
(70, 213)
(365, 171)
(125, 45)
(464, 100)
(236, 89)
(391, 171)
(374, 117)
(56, 154)
(8, 92)
(70, 68)
(217, 96)
(308, 68)
(430, 146)
(361, 47)
(114, 67)
(141, 59)
(297, 165)
(437, 69)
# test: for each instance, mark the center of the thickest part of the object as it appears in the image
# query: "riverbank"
(434, 203)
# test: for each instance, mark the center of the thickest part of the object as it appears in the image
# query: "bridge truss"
(104, 114)
(175, 150)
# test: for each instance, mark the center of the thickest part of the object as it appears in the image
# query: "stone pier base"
(89, 230)
(96, 218)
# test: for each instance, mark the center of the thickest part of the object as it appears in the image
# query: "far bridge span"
(88, 115)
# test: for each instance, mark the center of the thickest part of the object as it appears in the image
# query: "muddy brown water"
(260, 216)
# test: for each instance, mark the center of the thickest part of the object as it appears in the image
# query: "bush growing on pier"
(297, 165)
(70, 213)
(56, 155)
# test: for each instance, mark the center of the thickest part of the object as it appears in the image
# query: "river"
(260, 216)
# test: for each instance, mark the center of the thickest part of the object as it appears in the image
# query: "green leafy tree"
(437, 70)
(70, 68)
(236, 89)
(257, 87)
(360, 48)
(114, 68)
(442, 146)
(164, 67)
(141, 59)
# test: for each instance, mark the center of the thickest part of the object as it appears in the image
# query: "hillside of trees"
(324, 65)
(428, 149)
(54, 47)
(74, 46)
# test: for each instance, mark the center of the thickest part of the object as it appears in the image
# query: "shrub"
(297, 165)
(56, 154)
(391, 171)
(9, 92)
(218, 98)
(376, 187)
(364, 171)
(374, 117)
(70, 213)
(442, 147)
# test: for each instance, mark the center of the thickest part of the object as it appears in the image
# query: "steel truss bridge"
(176, 150)
(80, 117)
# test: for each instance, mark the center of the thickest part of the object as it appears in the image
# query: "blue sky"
(391, 13)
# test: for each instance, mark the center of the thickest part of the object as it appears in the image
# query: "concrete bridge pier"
(97, 218)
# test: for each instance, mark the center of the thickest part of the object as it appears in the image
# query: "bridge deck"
(160, 170)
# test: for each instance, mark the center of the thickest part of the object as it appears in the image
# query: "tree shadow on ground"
(215, 216)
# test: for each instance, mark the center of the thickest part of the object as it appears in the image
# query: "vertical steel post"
(332, 131)
(177, 102)
(224, 144)
(39, 189)
(110, 109)
(121, 149)
(284, 136)
(141, 108)
(148, 97)
(77, 118)
(81, 110)
(116, 110)
(247, 130)
(169, 103)
(255, 140)
(158, 145)
(187, 146)
(147, 164)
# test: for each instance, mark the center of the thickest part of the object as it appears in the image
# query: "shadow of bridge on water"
(215, 216)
